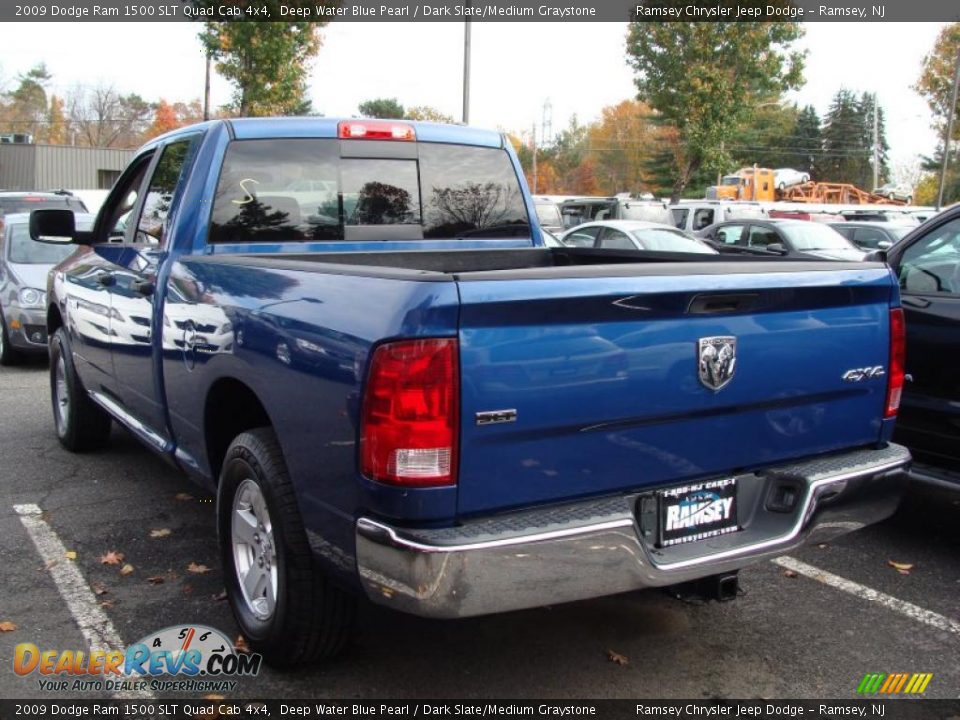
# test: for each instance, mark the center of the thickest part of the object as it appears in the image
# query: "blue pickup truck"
(352, 333)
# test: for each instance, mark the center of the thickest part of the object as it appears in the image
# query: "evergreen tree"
(846, 150)
(807, 143)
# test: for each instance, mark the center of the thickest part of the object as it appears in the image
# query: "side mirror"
(884, 245)
(776, 248)
(55, 227)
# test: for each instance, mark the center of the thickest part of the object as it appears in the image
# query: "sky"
(516, 68)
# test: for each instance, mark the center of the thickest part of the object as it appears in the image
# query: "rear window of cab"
(307, 190)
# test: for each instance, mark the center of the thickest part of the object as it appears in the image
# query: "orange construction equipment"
(834, 193)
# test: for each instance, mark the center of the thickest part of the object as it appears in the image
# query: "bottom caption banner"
(212, 707)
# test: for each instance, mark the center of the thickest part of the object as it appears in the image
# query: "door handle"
(916, 302)
(106, 279)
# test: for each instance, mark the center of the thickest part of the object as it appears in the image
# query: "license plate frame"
(697, 511)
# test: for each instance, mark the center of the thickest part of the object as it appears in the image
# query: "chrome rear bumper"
(600, 547)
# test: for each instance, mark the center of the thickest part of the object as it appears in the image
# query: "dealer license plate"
(698, 511)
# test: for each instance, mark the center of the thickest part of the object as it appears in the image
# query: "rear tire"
(8, 356)
(81, 424)
(284, 604)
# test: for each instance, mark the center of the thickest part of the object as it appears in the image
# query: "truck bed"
(527, 263)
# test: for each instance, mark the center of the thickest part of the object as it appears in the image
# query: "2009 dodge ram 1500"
(351, 331)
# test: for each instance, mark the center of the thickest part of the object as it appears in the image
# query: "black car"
(783, 237)
(24, 202)
(872, 234)
(927, 261)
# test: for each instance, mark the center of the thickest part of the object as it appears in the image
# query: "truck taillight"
(409, 424)
(375, 130)
(898, 362)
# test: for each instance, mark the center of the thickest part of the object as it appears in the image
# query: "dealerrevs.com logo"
(186, 658)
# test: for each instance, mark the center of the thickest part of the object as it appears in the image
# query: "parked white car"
(788, 177)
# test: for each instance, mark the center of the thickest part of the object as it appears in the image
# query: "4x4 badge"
(716, 360)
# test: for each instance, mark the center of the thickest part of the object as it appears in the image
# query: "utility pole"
(949, 135)
(534, 137)
(466, 70)
(206, 91)
(876, 142)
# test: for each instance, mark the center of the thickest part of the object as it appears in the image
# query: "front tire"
(81, 424)
(8, 355)
(290, 612)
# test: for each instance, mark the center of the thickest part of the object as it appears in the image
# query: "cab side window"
(158, 198)
(932, 264)
(122, 201)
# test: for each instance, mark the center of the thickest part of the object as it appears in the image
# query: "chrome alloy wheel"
(254, 550)
(61, 395)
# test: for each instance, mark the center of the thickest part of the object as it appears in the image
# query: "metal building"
(55, 167)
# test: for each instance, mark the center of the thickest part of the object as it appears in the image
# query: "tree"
(848, 140)
(385, 108)
(762, 139)
(101, 117)
(704, 78)
(620, 144)
(56, 130)
(425, 112)
(164, 120)
(26, 110)
(267, 62)
(807, 143)
(935, 84)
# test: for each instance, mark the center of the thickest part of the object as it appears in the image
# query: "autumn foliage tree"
(935, 85)
(620, 144)
(705, 78)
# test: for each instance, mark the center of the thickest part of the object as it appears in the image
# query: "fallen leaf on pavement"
(790, 573)
(51, 563)
(70, 554)
(187, 589)
(617, 658)
(183, 496)
(160, 533)
(126, 569)
(240, 644)
(107, 604)
(155, 580)
(219, 597)
(197, 568)
(7, 626)
(823, 546)
(111, 558)
(902, 568)
(99, 588)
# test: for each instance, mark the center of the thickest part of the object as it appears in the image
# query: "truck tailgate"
(573, 386)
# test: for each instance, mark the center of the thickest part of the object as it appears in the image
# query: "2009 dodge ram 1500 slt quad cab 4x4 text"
(352, 333)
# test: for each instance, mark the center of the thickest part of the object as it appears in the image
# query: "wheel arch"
(231, 407)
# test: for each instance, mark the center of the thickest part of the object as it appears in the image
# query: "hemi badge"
(491, 417)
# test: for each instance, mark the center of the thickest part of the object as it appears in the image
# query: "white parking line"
(93, 622)
(914, 612)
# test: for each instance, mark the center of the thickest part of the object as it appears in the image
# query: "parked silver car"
(23, 280)
(634, 235)
(893, 191)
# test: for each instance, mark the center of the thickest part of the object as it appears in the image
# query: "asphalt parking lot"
(785, 637)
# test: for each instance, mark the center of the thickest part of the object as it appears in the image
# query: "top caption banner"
(477, 10)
